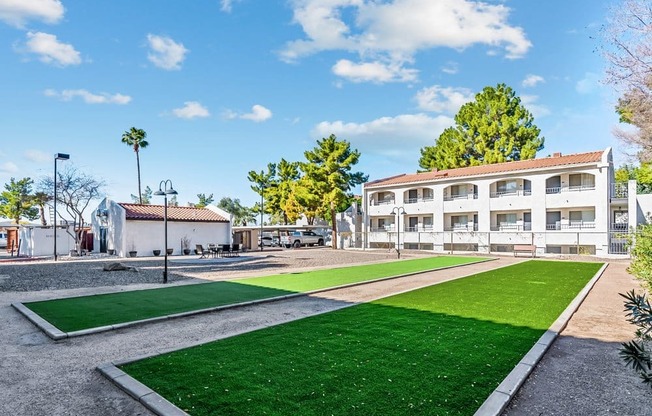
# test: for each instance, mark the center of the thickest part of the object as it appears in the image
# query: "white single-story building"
(123, 227)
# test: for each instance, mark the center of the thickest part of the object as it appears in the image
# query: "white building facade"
(561, 204)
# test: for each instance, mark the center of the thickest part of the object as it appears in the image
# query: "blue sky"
(224, 87)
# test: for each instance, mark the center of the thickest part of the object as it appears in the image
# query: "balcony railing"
(518, 192)
(460, 196)
(619, 191)
(418, 228)
(461, 227)
(573, 225)
(574, 188)
(509, 226)
(619, 226)
(382, 202)
(417, 200)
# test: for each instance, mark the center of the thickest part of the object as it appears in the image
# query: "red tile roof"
(155, 213)
(546, 162)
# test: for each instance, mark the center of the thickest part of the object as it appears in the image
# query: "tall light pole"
(398, 211)
(57, 156)
(164, 191)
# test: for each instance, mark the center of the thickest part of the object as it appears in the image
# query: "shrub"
(641, 265)
(636, 353)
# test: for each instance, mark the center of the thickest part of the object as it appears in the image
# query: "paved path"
(40, 376)
(582, 374)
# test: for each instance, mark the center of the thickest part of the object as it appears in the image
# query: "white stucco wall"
(145, 236)
(39, 241)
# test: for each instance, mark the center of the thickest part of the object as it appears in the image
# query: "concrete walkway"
(40, 376)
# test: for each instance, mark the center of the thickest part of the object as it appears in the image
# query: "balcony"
(512, 226)
(573, 225)
(460, 197)
(577, 188)
(619, 191)
(619, 226)
(462, 227)
(381, 202)
(519, 192)
(417, 200)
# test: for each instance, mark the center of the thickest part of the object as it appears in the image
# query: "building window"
(427, 194)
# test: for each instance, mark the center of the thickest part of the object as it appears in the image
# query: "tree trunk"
(41, 212)
(140, 194)
(334, 227)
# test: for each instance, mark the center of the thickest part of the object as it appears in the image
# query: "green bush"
(636, 353)
(641, 265)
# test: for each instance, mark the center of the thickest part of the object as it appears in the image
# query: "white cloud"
(588, 84)
(190, 110)
(450, 68)
(37, 156)
(89, 97)
(532, 80)
(398, 136)
(18, 12)
(50, 50)
(443, 99)
(227, 5)
(8, 167)
(531, 103)
(373, 72)
(375, 31)
(165, 53)
(258, 114)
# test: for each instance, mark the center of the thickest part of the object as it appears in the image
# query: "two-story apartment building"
(562, 204)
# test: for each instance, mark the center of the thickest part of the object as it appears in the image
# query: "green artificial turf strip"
(74, 314)
(440, 350)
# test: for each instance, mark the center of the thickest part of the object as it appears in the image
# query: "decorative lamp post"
(164, 191)
(57, 156)
(398, 211)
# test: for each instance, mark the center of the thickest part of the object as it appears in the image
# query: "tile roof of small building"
(155, 213)
(506, 167)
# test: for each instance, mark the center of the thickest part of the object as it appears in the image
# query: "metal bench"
(525, 248)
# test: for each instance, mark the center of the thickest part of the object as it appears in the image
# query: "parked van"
(3, 239)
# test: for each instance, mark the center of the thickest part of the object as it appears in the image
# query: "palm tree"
(136, 138)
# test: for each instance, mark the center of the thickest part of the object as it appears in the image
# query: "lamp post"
(398, 211)
(164, 191)
(57, 156)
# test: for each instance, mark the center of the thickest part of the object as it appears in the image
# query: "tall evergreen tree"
(494, 128)
(17, 200)
(328, 171)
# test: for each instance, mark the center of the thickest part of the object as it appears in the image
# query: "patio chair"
(235, 250)
(226, 250)
(201, 250)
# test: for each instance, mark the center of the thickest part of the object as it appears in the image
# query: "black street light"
(57, 156)
(398, 211)
(164, 191)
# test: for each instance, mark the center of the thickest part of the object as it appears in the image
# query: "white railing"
(575, 188)
(461, 227)
(573, 225)
(460, 196)
(417, 200)
(619, 191)
(383, 202)
(512, 226)
(517, 192)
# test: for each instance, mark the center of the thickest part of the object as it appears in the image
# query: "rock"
(113, 267)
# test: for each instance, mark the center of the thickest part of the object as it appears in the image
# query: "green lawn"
(73, 314)
(440, 350)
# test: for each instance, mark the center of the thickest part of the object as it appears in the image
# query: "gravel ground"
(40, 376)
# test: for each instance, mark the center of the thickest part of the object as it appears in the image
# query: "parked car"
(297, 239)
(267, 241)
(3, 240)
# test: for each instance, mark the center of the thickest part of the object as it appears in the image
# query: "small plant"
(636, 353)
(185, 242)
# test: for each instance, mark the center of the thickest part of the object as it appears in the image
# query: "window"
(427, 194)
(506, 219)
(459, 191)
(427, 223)
(459, 221)
(381, 222)
(581, 181)
(506, 187)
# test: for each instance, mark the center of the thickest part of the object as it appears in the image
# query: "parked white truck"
(297, 239)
